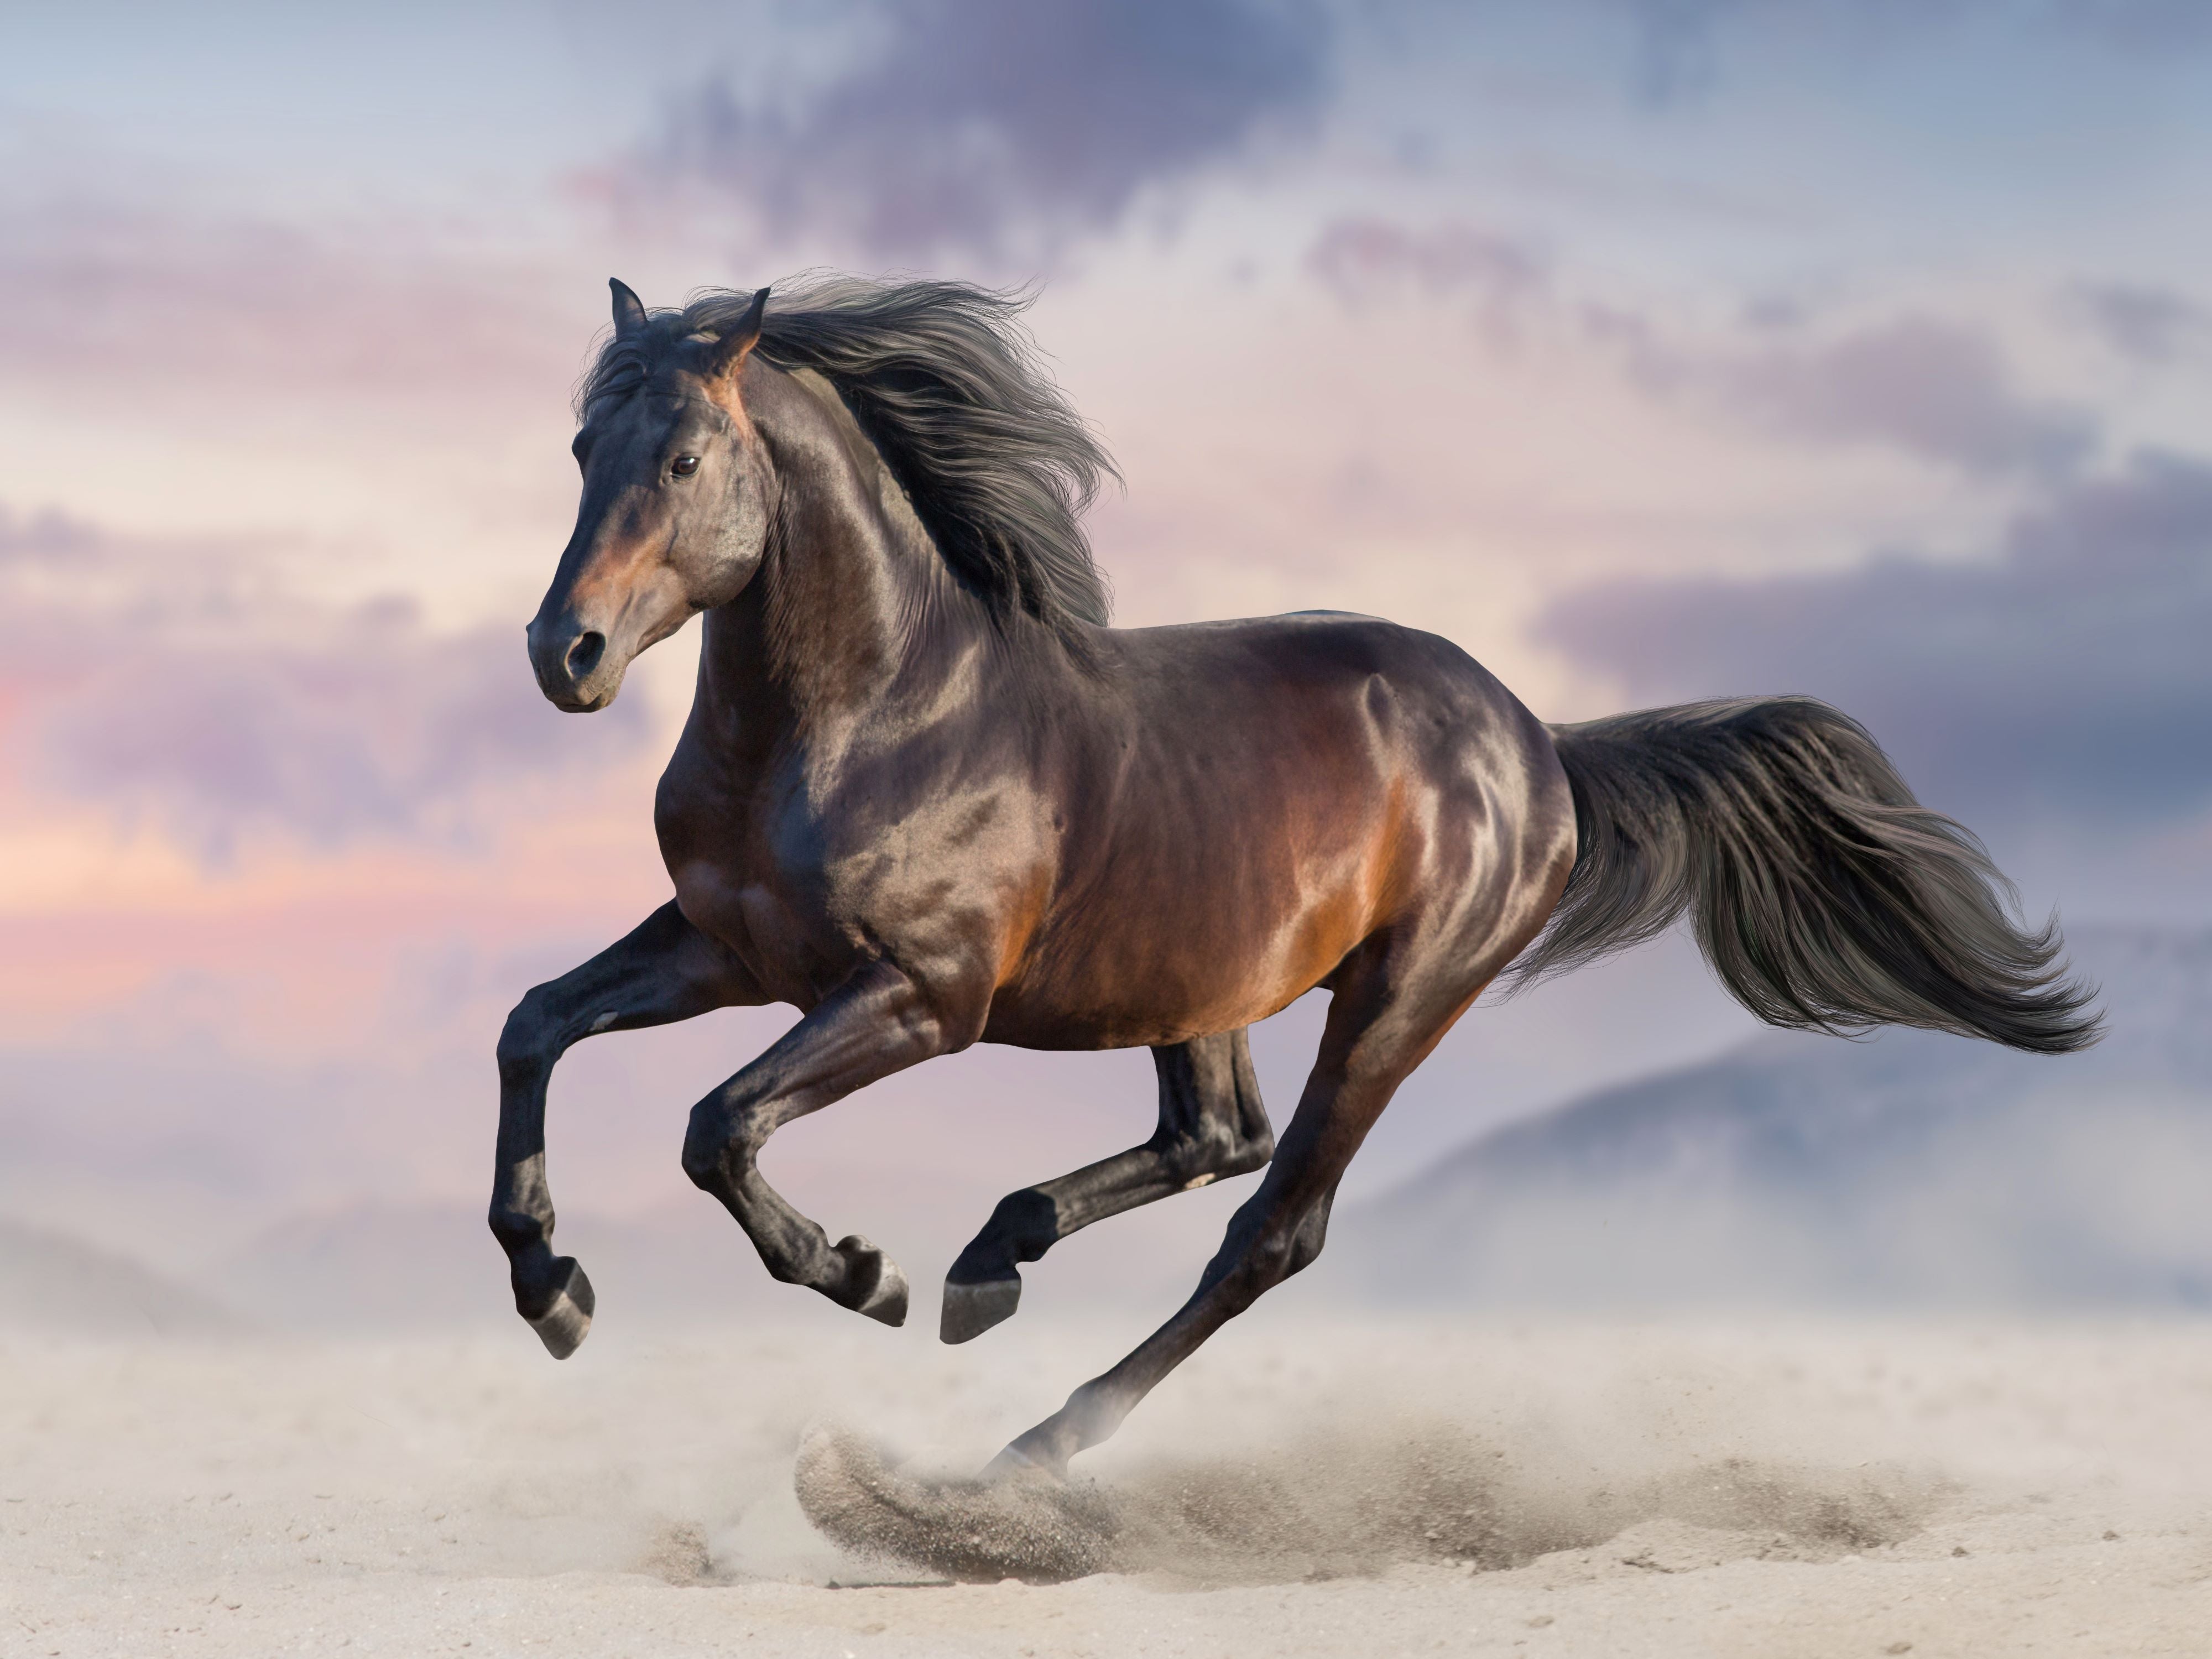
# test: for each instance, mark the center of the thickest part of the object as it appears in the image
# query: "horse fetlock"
(1280, 1251)
(520, 1232)
(1041, 1453)
(1244, 1270)
(1306, 1243)
(871, 1282)
(1092, 1413)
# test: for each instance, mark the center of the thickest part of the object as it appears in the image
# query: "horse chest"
(743, 876)
(789, 883)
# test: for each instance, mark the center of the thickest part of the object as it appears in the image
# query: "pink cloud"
(131, 303)
(183, 687)
(1365, 259)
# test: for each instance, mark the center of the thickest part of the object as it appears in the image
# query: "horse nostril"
(583, 656)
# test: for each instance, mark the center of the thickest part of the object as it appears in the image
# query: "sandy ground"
(1303, 1487)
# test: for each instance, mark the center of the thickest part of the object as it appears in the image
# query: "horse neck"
(851, 607)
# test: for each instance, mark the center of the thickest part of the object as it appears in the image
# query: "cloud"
(2148, 325)
(1940, 391)
(1364, 259)
(182, 685)
(2067, 675)
(1676, 47)
(1933, 388)
(986, 125)
(108, 291)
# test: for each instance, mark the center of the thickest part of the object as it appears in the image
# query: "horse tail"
(1823, 895)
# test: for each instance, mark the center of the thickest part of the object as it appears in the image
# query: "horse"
(927, 796)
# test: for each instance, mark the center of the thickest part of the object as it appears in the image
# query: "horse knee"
(525, 1042)
(703, 1153)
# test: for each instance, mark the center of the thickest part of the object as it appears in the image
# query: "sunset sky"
(1648, 349)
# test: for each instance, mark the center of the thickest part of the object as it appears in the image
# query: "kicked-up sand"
(1304, 1486)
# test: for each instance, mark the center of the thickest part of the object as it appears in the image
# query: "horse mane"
(946, 382)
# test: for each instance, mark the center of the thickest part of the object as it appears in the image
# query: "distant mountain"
(49, 1283)
(1909, 1169)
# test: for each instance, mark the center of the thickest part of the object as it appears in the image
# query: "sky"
(1650, 350)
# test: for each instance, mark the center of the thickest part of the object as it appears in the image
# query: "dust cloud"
(1332, 1505)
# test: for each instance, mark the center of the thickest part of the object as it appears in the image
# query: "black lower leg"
(1368, 1046)
(1212, 1126)
(664, 970)
(1274, 1235)
(876, 1024)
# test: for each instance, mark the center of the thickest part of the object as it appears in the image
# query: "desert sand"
(1306, 1486)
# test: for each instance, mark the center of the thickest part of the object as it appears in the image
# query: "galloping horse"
(929, 798)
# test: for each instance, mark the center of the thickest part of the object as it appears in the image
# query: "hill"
(1908, 1169)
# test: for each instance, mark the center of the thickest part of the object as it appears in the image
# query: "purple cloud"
(181, 686)
(979, 125)
(2065, 675)
(1931, 388)
(1362, 259)
(1939, 391)
(2148, 324)
(107, 290)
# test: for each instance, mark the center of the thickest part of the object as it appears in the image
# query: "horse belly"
(1142, 965)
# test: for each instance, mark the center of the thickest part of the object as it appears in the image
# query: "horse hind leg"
(1374, 1036)
(1212, 1126)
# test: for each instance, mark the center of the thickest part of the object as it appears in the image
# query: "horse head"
(676, 504)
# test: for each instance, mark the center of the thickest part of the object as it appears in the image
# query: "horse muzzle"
(575, 668)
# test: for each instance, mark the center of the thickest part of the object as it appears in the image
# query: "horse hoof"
(568, 1318)
(971, 1310)
(874, 1283)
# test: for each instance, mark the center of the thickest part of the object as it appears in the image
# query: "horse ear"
(728, 354)
(630, 310)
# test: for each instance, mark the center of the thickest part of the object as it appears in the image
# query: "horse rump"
(1825, 897)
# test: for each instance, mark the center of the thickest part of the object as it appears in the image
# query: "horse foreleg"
(665, 970)
(1212, 1126)
(876, 1024)
(1374, 1037)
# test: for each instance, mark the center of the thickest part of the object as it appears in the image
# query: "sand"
(1305, 1487)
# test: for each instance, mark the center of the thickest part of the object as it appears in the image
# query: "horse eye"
(684, 466)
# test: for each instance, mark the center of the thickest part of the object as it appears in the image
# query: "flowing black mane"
(945, 380)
